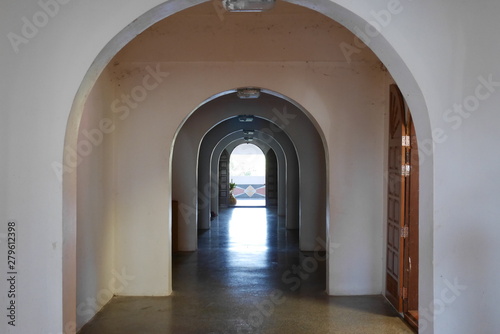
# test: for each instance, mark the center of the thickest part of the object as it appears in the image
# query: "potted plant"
(232, 199)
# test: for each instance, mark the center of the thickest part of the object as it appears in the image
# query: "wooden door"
(410, 281)
(223, 180)
(396, 200)
(402, 210)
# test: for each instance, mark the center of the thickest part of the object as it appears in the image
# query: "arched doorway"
(281, 167)
(299, 139)
(381, 46)
(247, 173)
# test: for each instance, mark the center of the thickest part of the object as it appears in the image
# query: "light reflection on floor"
(250, 202)
(248, 241)
(225, 288)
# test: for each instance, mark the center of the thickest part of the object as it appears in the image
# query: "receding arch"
(282, 143)
(241, 173)
(286, 194)
(271, 114)
(386, 51)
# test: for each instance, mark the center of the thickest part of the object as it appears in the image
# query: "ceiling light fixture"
(248, 5)
(245, 118)
(248, 93)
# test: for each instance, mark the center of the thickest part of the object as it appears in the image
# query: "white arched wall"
(285, 195)
(420, 65)
(261, 145)
(213, 163)
(208, 177)
(293, 123)
(368, 284)
(217, 140)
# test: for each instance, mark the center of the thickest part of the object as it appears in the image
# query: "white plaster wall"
(357, 185)
(444, 45)
(142, 140)
(466, 190)
(96, 278)
(41, 82)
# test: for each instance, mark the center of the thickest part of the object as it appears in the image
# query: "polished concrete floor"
(247, 277)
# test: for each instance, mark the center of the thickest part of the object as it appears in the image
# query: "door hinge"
(404, 293)
(404, 232)
(405, 141)
(405, 170)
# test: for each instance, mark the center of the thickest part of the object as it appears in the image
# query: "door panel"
(402, 210)
(396, 199)
(223, 180)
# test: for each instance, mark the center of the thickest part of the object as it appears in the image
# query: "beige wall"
(96, 217)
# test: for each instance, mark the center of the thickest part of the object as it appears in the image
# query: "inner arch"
(248, 173)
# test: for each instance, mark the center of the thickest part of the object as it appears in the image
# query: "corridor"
(247, 277)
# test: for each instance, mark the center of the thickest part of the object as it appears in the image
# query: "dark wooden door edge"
(411, 317)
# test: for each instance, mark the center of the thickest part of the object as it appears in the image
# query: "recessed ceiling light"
(248, 93)
(248, 5)
(245, 118)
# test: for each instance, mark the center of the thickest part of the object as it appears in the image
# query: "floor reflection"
(248, 238)
(227, 287)
(250, 202)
